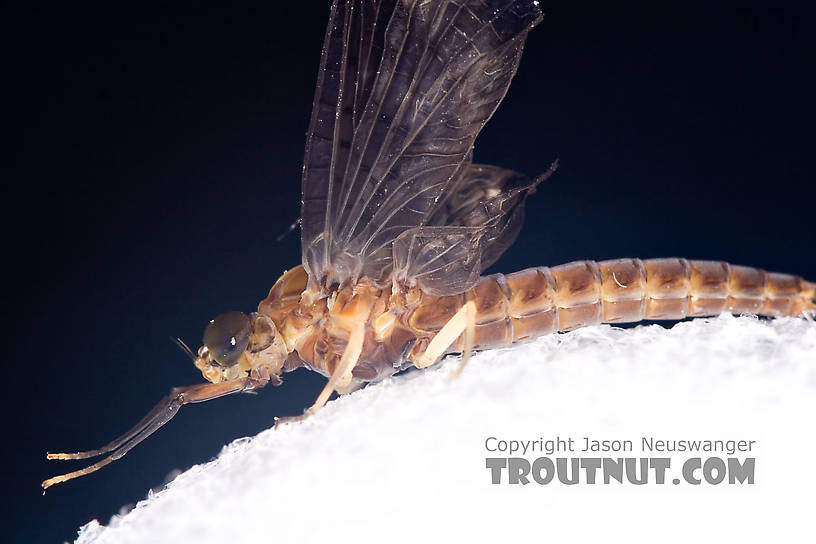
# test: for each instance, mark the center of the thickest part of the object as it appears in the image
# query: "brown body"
(361, 333)
(516, 307)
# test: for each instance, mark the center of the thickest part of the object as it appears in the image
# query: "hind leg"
(463, 321)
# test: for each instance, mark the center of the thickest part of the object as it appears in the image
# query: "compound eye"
(227, 337)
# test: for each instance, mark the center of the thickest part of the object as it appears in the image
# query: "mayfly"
(398, 224)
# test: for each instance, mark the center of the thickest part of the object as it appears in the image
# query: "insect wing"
(479, 220)
(352, 49)
(386, 144)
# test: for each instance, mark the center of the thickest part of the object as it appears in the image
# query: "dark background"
(156, 156)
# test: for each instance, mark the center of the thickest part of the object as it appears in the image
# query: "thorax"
(316, 326)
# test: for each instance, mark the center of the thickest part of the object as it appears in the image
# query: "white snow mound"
(406, 459)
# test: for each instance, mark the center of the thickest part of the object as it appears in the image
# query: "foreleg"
(340, 375)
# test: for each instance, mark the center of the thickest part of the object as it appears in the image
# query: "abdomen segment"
(544, 300)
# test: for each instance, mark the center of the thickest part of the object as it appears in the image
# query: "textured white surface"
(405, 459)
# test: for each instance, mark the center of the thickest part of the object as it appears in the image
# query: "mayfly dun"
(398, 224)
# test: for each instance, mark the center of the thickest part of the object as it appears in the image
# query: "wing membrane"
(397, 109)
(351, 54)
(480, 219)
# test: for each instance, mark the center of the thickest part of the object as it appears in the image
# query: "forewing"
(375, 171)
(352, 49)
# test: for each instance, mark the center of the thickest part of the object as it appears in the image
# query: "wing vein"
(351, 180)
(349, 231)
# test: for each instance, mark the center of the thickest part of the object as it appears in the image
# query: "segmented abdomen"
(543, 300)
